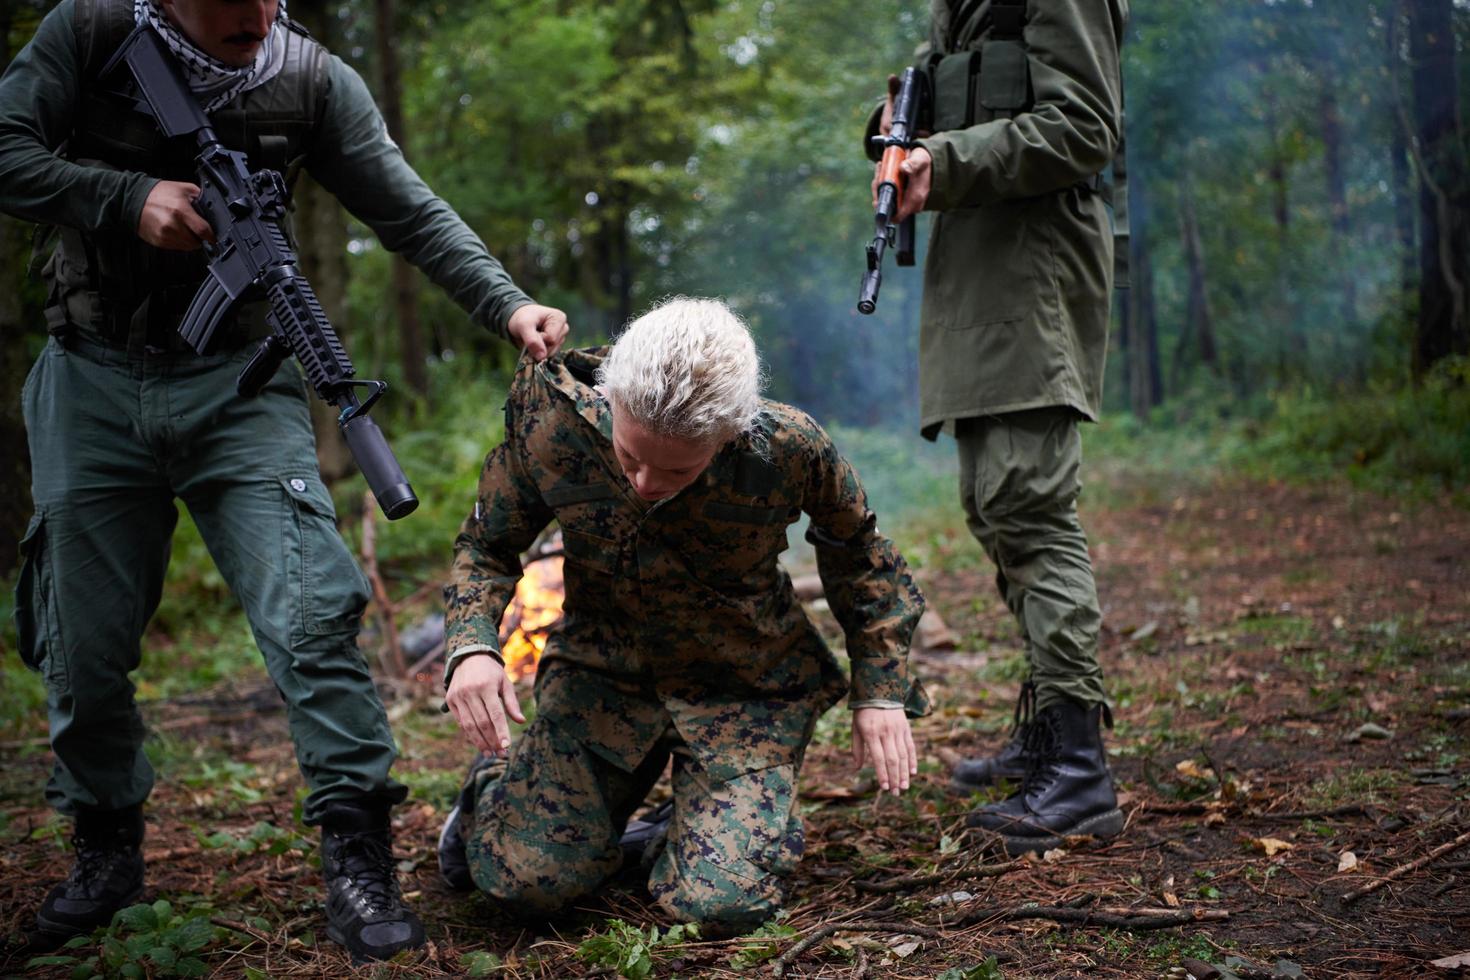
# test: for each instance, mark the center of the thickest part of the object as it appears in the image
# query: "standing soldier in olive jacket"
(1027, 112)
(674, 484)
(123, 418)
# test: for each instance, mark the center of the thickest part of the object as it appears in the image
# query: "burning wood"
(535, 610)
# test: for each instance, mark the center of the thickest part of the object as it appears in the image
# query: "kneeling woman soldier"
(674, 483)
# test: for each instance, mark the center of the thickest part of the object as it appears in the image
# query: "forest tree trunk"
(1145, 388)
(15, 470)
(1441, 328)
(405, 278)
(1199, 326)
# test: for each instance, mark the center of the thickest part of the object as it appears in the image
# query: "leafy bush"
(628, 950)
(143, 941)
(1414, 440)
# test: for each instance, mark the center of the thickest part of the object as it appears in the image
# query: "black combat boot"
(365, 910)
(1010, 763)
(1066, 791)
(454, 863)
(108, 875)
(643, 839)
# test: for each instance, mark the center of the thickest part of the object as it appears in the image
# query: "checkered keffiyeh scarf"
(215, 83)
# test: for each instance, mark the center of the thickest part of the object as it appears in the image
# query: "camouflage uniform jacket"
(676, 611)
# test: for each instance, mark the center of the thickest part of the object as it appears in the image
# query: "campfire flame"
(530, 616)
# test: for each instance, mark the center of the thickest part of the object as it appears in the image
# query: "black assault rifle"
(251, 255)
(908, 108)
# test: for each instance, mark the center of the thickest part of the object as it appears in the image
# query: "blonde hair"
(687, 368)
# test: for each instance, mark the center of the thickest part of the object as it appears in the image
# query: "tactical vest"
(112, 284)
(986, 76)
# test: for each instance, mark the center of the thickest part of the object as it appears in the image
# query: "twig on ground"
(780, 963)
(1404, 869)
(241, 927)
(922, 881)
(860, 972)
(1109, 918)
(1351, 810)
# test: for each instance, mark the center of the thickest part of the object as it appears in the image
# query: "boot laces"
(95, 862)
(1025, 708)
(1043, 751)
(366, 860)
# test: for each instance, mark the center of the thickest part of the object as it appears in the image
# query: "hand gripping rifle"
(907, 108)
(250, 253)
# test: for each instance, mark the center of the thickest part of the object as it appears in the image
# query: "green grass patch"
(1351, 785)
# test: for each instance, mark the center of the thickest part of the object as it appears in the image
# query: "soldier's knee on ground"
(722, 908)
(535, 879)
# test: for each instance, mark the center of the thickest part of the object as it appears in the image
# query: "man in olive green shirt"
(1027, 112)
(123, 419)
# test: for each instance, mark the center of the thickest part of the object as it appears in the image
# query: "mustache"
(248, 37)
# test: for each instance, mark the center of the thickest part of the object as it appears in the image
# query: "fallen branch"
(388, 610)
(1404, 869)
(780, 963)
(236, 926)
(1106, 918)
(923, 881)
(1351, 810)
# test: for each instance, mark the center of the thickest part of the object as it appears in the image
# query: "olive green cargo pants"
(113, 440)
(1019, 485)
(545, 831)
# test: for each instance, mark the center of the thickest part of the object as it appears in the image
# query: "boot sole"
(67, 930)
(1100, 826)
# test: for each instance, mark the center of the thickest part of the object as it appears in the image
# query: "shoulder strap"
(100, 25)
(1007, 19)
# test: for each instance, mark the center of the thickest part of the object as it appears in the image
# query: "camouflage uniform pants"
(115, 439)
(546, 831)
(1019, 485)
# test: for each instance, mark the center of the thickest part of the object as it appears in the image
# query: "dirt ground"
(1290, 669)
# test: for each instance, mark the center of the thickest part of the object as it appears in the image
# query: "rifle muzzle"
(379, 467)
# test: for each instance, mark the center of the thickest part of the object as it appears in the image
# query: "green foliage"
(142, 941)
(1391, 440)
(479, 963)
(436, 786)
(628, 950)
(989, 970)
(263, 838)
(764, 943)
(442, 454)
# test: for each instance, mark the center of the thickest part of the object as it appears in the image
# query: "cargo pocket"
(36, 625)
(777, 839)
(329, 590)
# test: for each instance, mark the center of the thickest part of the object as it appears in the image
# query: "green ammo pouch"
(954, 100)
(1005, 76)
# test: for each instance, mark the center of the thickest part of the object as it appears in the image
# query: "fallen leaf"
(1450, 962)
(953, 898)
(1368, 730)
(1167, 893)
(1054, 855)
(1347, 862)
(1214, 818)
(1190, 769)
(1146, 630)
(1271, 845)
(904, 949)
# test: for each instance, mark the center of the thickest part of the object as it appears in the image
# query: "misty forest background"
(1300, 216)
